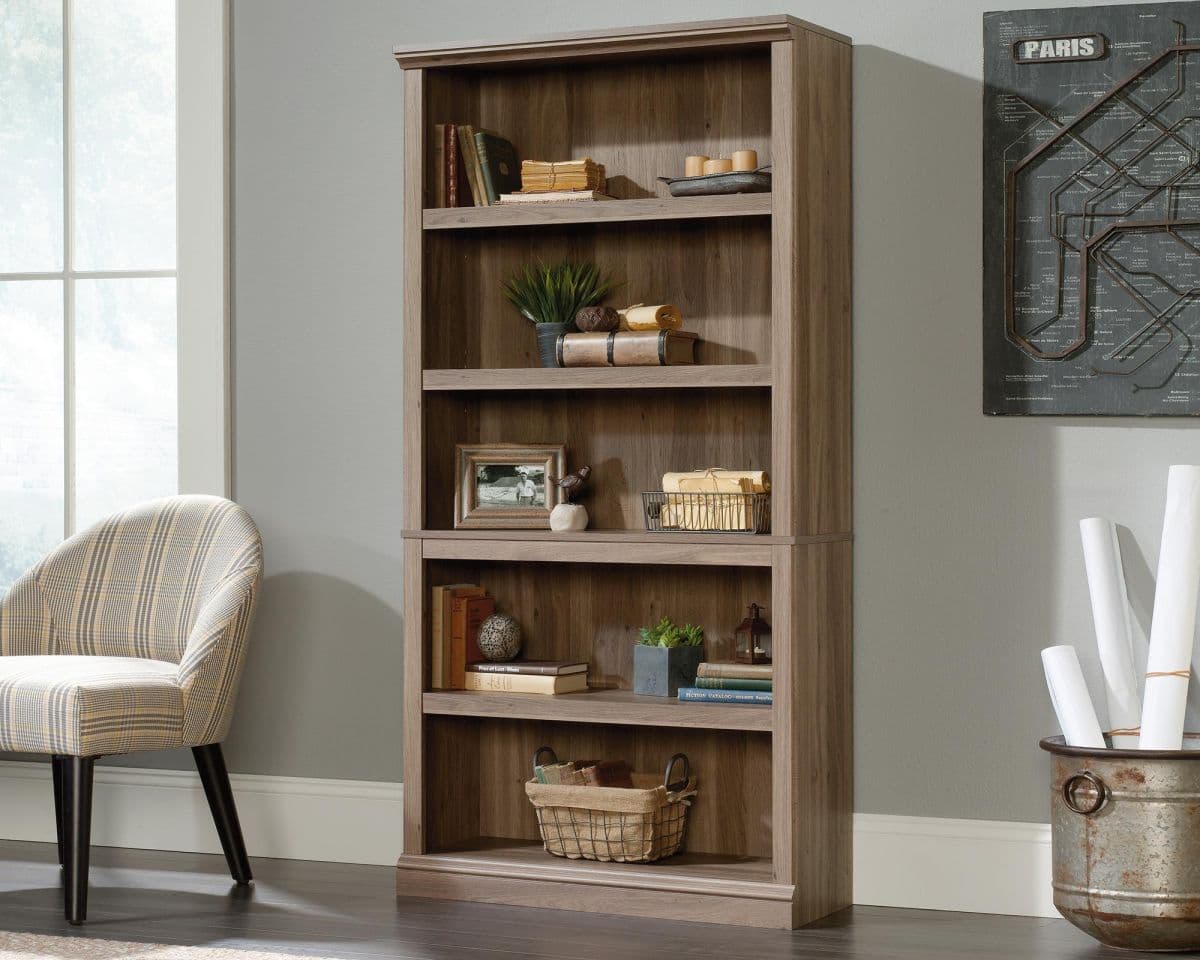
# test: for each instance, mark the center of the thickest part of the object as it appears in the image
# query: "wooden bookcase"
(765, 281)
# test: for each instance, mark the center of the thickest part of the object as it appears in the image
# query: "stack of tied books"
(585, 773)
(456, 613)
(472, 167)
(730, 683)
(528, 676)
(545, 181)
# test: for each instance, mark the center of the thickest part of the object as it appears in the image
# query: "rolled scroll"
(665, 316)
(1114, 629)
(1072, 702)
(1172, 627)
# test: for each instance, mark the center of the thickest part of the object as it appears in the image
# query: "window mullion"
(68, 281)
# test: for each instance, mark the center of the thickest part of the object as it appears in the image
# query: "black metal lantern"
(752, 639)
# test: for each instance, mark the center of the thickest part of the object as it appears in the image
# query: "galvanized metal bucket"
(1126, 839)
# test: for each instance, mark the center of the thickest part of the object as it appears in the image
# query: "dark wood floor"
(338, 910)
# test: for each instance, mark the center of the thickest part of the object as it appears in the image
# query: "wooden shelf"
(700, 376)
(600, 211)
(603, 546)
(686, 886)
(599, 706)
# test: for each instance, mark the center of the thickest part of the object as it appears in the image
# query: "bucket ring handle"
(1097, 803)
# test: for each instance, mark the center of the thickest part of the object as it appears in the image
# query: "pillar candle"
(694, 166)
(745, 159)
(721, 165)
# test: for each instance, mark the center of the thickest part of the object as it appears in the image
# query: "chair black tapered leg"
(211, 764)
(77, 833)
(56, 771)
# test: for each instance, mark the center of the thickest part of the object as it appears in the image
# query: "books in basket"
(548, 668)
(701, 695)
(527, 683)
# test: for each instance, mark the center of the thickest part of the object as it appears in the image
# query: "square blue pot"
(661, 671)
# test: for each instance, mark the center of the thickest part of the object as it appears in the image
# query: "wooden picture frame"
(491, 480)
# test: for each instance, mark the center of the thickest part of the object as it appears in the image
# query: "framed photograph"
(506, 485)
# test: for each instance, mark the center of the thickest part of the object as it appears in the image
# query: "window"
(112, 333)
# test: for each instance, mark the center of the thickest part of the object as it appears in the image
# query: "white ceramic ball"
(568, 517)
(499, 637)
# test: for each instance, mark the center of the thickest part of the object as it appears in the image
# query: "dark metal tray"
(742, 181)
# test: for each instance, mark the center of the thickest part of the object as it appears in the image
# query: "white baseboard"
(974, 866)
(977, 866)
(350, 821)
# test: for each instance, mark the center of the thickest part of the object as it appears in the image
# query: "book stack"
(472, 167)
(730, 683)
(548, 182)
(456, 613)
(527, 676)
(585, 773)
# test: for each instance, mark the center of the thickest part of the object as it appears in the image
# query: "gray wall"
(967, 552)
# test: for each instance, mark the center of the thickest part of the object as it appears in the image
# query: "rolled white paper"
(1114, 628)
(1072, 702)
(1173, 624)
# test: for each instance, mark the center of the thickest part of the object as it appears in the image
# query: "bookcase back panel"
(718, 272)
(638, 118)
(630, 438)
(592, 612)
(732, 814)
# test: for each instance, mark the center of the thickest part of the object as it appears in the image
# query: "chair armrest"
(26, 628)
(211, 667)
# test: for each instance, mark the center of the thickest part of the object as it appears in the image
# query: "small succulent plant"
(666, 634)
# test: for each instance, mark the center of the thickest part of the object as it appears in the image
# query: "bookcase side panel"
(823, 405)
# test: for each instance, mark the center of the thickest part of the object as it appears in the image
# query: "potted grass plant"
(666, 657)
(549, 296)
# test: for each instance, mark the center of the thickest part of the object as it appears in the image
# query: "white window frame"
(202, 258)
(202, 290)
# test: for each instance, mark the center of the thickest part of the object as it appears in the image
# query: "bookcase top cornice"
(742, 31)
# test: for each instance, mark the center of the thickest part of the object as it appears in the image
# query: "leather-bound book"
(497, 164)
(627, 348)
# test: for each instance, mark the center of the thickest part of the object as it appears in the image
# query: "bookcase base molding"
(764, 281)
(519, 876)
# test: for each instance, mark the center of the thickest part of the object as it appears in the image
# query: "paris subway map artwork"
(1091, 211)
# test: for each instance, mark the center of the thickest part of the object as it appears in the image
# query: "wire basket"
(614, 824)
(707, 512)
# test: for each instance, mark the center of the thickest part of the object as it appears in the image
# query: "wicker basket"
(706, 512)
(614, 824)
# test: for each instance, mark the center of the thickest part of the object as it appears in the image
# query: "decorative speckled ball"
(597, 319)
(499, 637)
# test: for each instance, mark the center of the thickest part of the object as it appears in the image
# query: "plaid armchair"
(131, 636)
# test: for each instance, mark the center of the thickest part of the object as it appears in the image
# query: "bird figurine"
(572, 484)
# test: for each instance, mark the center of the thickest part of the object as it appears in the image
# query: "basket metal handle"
(1096, 804)
(537, 761)
(677, 785)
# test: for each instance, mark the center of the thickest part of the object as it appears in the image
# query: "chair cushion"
(88, 706)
